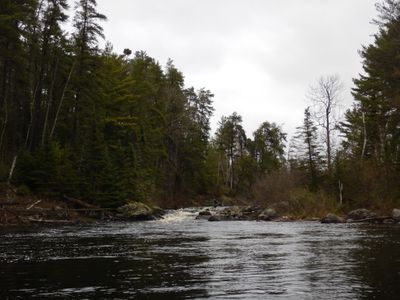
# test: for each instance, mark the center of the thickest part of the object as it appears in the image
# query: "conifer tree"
(309, 149)
(231, 142)
(269, 147)
(87, 32)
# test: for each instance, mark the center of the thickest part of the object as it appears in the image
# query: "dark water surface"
(181, 258)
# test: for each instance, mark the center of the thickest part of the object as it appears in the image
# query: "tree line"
(80, 120)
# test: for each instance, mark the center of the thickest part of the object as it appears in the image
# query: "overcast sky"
(257, 56)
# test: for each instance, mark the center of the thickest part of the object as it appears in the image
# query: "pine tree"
(372, 125)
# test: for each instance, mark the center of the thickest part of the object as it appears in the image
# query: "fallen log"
(34, 204)
(80, 202)
(51, 221)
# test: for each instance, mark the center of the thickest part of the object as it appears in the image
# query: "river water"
(183, 258)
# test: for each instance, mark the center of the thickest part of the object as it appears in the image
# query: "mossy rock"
(138, 211)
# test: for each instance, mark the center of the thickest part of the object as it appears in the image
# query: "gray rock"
(396, 214)
(250, 213)
(389, 221)
(205, 212)
(250, 209)
(360, 214)
(286, 219)
(199, 217)
(268, 214)
(311, 219)
(214, 218)
(204, 215)
(331, 218)
(231, 213)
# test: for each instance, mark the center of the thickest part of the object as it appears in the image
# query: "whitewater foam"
(180, 215)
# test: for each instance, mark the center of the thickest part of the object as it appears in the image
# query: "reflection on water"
(182, 258)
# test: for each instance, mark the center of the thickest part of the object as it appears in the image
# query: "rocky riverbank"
(363, 215)
(274, 213)
(71, 211)
(26, 211)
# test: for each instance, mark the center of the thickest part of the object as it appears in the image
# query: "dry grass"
(288, 189)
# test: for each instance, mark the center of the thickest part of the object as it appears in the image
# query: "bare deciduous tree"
(325, 96)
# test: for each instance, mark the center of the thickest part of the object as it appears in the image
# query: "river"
(183, 258)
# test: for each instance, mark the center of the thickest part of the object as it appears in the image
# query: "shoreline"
(68, 211)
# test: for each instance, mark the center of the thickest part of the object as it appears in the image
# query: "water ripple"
(182, 258)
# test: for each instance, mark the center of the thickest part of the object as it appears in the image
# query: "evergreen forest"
(80, 120)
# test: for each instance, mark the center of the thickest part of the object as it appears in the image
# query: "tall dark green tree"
(269, 147)
(84, 107)
(231, 143)
(17, 22)
(372, 125)
(49, 38)
(309, 150)
(197, 133)
(377, 92)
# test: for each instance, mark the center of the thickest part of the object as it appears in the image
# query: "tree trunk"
(328, 139)
(3, 131)
(365, 136)
(340, 192)
(28, 131)
(49, 103)
(61, 101)
(10, 175)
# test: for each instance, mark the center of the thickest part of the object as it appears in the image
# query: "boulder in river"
(138, 211)
(231, 213)
(204, 215)
(235, 213)
(332, 218)
(361, 214)
(214, 218)
(205, 212)
(268, 214)
(250, 212)
(396, 214)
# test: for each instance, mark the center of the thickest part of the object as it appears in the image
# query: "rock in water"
(214, 219)
(331, 218)
(250, 212)
(138, 211)
(360, 214)
(230, 213)
(396, 214)
(204, 215)
(268, 214)
(205, 212)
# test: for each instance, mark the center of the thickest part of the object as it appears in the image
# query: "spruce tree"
(309, 150)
